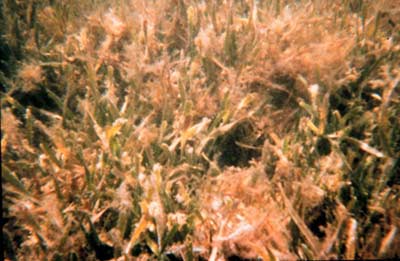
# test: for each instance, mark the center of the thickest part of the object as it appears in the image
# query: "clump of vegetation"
(181, 130)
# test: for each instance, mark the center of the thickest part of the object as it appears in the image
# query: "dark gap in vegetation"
(231, 147)
(109, 219)
(296, 235)
(238, 258)
(139, 249)
(285, 97)
(172, 257)
(7, 63)
(38, 98)
(323, 146)
(8, 245)
(318, 217)
(368, 95)
(394, 176)
(103, 251)
(339, 100)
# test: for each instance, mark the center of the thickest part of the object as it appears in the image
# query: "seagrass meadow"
(200, 130)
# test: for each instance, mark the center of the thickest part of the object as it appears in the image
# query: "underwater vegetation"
(200, 130)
